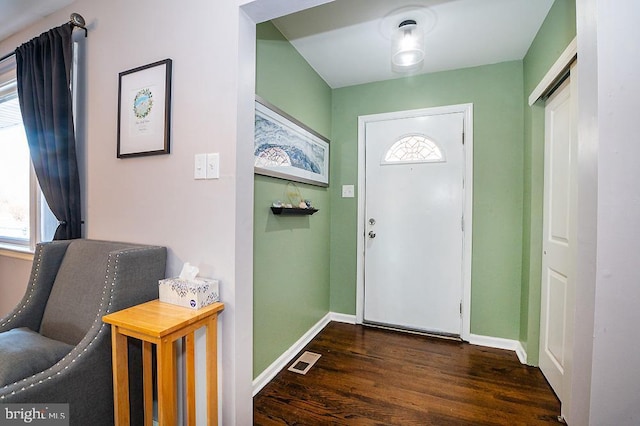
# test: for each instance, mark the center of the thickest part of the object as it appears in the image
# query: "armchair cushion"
(25, 352)
(77, 291)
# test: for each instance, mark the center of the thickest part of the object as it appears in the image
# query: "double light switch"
(207, 166)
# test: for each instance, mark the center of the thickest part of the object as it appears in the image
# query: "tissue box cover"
(194, 294)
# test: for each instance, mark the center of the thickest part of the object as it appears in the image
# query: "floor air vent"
(304, 362)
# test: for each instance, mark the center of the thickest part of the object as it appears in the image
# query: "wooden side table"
(162, 324)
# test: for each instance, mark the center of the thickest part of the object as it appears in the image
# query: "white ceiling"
(18, 14)
(348, 42)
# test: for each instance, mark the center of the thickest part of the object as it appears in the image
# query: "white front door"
(413, 242)
(559, 231)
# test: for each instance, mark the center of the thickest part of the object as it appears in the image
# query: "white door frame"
(467, 110)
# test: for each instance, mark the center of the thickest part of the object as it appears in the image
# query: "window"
(413, 149)
(24, 215)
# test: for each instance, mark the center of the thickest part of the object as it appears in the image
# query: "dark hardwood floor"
(369, 376)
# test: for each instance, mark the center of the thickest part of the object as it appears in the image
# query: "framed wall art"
(144, 110)
(287, 149)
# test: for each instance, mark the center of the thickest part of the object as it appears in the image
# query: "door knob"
(372, 234)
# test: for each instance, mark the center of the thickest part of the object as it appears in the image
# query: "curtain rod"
(7, 56)
(75, 19)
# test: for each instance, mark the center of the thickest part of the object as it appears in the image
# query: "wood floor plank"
(369, 376)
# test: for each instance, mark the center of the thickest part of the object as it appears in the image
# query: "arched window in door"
(414, 149)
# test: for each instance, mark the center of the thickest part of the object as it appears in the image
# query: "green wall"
(291, 254)
(496, 92)
(306, 266)
(557, 31)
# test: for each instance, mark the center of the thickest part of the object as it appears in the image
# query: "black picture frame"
(144, 110)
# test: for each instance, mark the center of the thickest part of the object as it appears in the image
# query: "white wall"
(606, 388)
(615, 395)
(155, 199)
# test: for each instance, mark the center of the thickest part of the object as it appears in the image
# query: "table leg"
(212, 371)
(147, 383)
(190, 379)
(167, 412)
(120, 359)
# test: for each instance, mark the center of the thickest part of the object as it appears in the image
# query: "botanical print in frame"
(144, 110)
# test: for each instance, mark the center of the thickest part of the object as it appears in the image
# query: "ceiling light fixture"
(407, 47)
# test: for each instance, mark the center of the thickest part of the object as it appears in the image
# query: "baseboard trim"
(270, 372)
(500, 343)
(337, 317)
(521, 352)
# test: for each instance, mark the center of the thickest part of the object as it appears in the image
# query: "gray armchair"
(59, 325)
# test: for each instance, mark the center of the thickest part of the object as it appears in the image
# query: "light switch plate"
(213, 165)
(348, 191)
(200, 167)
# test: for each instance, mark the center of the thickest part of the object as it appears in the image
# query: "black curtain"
(43, 74)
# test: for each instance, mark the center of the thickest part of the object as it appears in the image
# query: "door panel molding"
(467, 111)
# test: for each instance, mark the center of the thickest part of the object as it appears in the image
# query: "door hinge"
(463, 138)
(462, 223)
(461, 309)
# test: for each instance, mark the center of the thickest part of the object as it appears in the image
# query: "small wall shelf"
(293, 211)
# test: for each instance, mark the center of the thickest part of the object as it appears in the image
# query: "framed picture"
(144, 110)
(287, 149)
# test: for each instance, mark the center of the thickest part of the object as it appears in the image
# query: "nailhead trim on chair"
(98, 320)
(31, 286)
